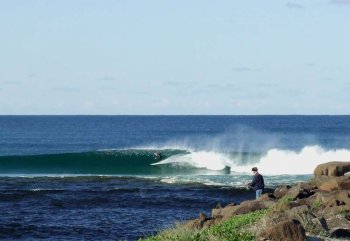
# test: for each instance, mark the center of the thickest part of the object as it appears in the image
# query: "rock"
(308, 219)
(211, 222)
(198, 223)
(329, 184)
(340, 233)
(202, 217)
(267, 197)
(303, 214)
(244, 207)
(253, 205)
(284, 205)
(301, 190)
(315, 238)
(289, 230)
(335, 198)
(299, 213)
(319, 225)
(281, 191)
(339, 226)
(333, 169)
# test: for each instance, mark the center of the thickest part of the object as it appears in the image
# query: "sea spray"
(273, 162)
(278, 162)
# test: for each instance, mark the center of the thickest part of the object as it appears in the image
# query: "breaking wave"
(173, 162)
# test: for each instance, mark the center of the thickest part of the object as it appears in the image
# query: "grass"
(286, 199)
(316, 204)
(229, 230)
(282, 204)
(343, 212)
(232, 229)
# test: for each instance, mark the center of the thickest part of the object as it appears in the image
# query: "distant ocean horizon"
(77, 177)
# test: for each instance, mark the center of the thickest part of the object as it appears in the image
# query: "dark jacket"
(258, 182)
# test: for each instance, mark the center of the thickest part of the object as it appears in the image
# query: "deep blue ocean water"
(98, 178)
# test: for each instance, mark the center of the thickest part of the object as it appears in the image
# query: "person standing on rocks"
(257, 183)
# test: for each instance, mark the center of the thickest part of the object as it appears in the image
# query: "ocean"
(126, 177)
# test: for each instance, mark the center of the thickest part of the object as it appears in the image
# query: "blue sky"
(174, 57)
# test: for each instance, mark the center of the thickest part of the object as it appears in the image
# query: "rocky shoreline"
(317, 208)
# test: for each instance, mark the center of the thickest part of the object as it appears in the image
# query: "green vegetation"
(316, 204)
(282, 204)
(229, 230)
(232, 228)
(286, 199)
(343, 211)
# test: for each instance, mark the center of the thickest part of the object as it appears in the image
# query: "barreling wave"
(173, 161)
(123, 162)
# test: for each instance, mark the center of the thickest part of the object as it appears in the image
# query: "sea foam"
(273, 162)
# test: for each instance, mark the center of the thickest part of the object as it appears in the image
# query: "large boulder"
(329, 184)
(288, 230)
(335, 198)
(332, 169)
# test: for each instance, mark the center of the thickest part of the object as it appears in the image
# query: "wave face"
(173, 161)
(100, 162)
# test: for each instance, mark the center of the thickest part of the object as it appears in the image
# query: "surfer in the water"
(158, 156)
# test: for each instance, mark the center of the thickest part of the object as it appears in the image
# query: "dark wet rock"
(340, 233)
(334, 169)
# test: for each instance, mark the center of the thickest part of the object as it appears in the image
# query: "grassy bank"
(232, 229)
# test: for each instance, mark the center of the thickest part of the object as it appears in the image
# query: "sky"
(129, 57)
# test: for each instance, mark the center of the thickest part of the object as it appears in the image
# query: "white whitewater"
(273, 162)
